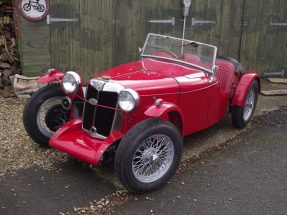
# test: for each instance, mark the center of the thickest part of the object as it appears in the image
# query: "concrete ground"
(224, 171)
(248, 177)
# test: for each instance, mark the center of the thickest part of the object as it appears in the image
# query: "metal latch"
(171, 21)
(278, 23)
(194, 22)
(49, 20)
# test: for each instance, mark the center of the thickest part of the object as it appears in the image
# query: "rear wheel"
(241, 115)
(40, 8)
(44, 114)
(148, 155)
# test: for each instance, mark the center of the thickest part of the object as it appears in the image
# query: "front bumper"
(71, 139)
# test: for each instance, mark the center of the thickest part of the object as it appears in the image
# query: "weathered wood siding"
(226, 32)
(263, 46)
(109, 32)
(35, 45)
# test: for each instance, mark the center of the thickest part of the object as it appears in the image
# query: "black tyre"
(241, 115)
(148, 155)
(44, 114)
(27, 7)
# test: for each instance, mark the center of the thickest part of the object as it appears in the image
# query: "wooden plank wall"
(35, 44)
(86, 46)
(134, 16)
(264, 46)
(109, 33)
(226, 33)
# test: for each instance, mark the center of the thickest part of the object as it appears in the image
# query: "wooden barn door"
(107, 33)
(264, 36)
(217, 23)
(253, 32)
(87, 45)
(133, 25)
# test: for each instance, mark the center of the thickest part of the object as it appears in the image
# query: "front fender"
(160, 110)
(52, 75)
(243, 86)
(167, 111)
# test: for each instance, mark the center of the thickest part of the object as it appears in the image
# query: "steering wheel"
(167, 50)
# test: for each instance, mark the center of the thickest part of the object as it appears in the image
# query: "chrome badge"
(99, 86)
(93, 101)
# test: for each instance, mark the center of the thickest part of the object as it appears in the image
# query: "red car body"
(189, 101)
(137, 114)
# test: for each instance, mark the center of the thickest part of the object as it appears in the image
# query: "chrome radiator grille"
(98, 121)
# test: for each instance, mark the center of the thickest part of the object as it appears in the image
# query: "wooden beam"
(278, 80)
(273, 92)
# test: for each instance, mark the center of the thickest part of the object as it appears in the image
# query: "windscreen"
(187, 52)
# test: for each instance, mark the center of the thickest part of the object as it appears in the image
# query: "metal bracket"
(278, 23)
(194, 22)
(171, 21)
(49, 20)
(116, 21)
(244, 23)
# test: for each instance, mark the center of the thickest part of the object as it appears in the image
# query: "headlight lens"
(128, 100)
(71, 82)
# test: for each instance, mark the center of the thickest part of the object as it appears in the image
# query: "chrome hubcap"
(153, 158)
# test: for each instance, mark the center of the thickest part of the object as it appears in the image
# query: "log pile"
(9, 54)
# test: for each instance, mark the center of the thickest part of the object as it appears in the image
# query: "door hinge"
(166, 21)
(49, 20)
(194, 22)
(278, 23)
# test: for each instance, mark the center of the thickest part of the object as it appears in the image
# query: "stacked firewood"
(9, 54)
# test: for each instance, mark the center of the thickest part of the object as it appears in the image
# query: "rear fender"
(167, 111)
(243, 86)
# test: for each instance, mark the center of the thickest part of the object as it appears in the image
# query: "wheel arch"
(243, 86)
(176, 119)
(169, 112)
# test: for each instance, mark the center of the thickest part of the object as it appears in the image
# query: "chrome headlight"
(128, 100)
(71, 82)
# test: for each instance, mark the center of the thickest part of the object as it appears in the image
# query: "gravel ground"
(19, 151)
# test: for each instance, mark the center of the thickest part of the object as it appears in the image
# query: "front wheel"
(27, 7)
(148, 155)
(44, 114)
(241, 115)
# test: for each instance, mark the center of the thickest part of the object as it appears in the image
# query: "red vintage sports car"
(137, 114)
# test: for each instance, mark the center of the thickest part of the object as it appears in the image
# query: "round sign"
(34, 9)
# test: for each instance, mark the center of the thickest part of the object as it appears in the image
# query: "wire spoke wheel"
(148, 155)
(153, 158)
(241, 115)
(44, 114)
(51, 116)
(249, 105)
